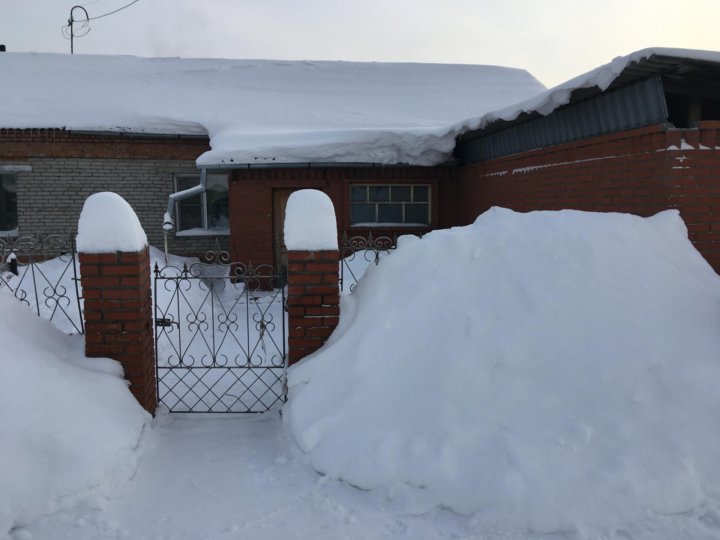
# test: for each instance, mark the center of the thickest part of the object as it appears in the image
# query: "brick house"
(374, 136)
(639, 135)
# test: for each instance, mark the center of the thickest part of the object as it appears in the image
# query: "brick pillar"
(118, 316)
(313, 271)
(115, 277)
(313, 300)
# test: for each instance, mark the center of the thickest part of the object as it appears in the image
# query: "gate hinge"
(165, 322)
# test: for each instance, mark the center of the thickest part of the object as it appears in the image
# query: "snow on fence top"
(108, 224)
(259, 111)
(310, 221)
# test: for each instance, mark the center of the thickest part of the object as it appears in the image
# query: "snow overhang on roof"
(622, 71)
(262, 111)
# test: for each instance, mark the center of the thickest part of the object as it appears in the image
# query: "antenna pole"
(71, 22)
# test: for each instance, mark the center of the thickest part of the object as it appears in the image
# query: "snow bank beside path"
(549, 371)
(68, 425)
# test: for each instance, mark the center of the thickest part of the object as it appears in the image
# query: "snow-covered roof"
(257, 111)
(601, 78)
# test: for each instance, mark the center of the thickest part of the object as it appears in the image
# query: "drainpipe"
(169, 217)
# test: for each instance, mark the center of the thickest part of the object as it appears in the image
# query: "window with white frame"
(390, 204)
(8, 204)
(206, 212)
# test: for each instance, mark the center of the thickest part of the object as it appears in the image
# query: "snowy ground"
(231, 478)
(575, 398)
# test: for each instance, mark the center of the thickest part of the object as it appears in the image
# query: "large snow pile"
(550, 371)
(69, 426)
(259, 111)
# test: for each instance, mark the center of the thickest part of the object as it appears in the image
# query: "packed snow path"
(238, 477)
(232, 477)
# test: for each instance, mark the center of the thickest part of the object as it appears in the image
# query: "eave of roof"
(639, 66)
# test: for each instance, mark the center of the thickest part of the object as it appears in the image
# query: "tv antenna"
(69, 29)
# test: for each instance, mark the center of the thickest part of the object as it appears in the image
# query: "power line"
(114, 11)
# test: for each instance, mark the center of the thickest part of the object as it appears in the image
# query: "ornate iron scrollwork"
(227, 352)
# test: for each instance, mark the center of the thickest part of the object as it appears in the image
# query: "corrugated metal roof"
(639, 104)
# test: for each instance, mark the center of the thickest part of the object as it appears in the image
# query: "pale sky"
(553, 39)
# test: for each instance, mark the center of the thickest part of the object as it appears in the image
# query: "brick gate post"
(115, 277)
(313, 272)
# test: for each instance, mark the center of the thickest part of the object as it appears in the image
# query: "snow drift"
(69, 426)
(550, 371)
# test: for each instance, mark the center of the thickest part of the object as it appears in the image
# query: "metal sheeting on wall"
(637, 105)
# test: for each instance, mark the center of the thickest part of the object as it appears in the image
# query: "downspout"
(169, 217)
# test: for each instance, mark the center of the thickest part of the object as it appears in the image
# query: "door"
(280, 199)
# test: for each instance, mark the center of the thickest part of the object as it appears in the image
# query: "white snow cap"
(310, 221)
(108, 224)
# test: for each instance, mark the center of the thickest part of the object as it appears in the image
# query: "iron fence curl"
(367, 249)
(42, 272)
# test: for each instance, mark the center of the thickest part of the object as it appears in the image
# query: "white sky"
(553, 39)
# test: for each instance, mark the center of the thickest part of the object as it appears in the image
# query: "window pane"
(8, 202)
(379, 193)
(186, 182)
(217, 201)
(362, 213)
(417, 213)
(401, 193)
(390, 213)
(421, 194)
(358, 193)
(190, 213)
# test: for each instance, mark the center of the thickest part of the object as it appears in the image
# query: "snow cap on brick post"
(109, 224)
(313, 277)
(115, 277)
(310, 223)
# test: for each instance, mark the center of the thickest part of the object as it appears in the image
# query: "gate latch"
(164, 322)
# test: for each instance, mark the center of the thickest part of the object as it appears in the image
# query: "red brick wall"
(632, 171)
(118, 316)
(18, 144)
(313, 301)
(251, 201)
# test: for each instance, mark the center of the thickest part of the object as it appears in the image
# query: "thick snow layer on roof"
(601, 77)
(259, 111)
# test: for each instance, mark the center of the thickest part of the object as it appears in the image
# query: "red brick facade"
(641, 171)
(251, 201)
(48, 143)
(118, 316)
(313, 300)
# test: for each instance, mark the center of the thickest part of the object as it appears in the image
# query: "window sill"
(12, 233)
(389, 226)
(191, 233)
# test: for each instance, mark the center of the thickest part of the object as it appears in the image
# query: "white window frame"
(203, 226)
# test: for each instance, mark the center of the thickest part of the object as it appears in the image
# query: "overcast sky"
(553, 39)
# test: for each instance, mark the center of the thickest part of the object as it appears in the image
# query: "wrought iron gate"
(220, 337)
